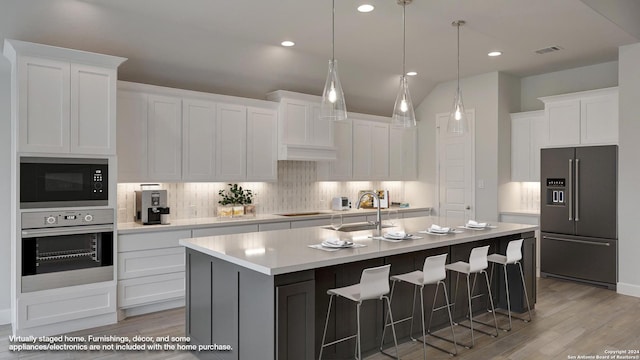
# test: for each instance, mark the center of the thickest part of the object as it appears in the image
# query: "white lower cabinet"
(55, 306)
(225, 230)
(151, 289)
(151, 270)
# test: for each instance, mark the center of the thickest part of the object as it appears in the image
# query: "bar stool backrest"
(374, 282)
(514, 251)
(433, 269)
(478, 259)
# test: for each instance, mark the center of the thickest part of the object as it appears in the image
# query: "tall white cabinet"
(66, 101)
(528, 135)
(63, 104)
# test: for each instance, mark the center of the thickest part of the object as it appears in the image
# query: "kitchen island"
(264, 294)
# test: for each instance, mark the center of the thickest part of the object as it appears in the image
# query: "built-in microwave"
(63, 182)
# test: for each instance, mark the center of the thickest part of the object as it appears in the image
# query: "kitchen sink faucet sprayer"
(378, 222)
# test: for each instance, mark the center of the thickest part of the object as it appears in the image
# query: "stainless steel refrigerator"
(578, 215)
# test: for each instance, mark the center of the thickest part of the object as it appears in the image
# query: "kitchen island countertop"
(286, 251)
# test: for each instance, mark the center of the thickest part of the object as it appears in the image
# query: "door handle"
(577, 189)
(570, 187)
(577, 241)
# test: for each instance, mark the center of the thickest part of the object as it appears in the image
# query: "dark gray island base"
(264, 294)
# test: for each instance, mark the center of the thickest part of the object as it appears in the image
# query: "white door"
(456, 171)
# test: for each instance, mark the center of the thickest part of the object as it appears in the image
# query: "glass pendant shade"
(403, 114)
(457, 123)
(333, 105)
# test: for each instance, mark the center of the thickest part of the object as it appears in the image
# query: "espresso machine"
(151, 207)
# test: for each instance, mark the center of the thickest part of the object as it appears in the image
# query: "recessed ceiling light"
(365, 8)
(412, 73)
(287, 43)
(495, 53)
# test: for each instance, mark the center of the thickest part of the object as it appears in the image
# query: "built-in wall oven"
(47, 182)
(66, 247)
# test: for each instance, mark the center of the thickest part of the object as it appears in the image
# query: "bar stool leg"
(413, 312)
(448, 306)
(493, 310)
(506, 286)
(358, 349)
(393, 328)
(470, 317)
(386, 321)
(326, 324)
(424, 335)
(453, 334)
(524, 286)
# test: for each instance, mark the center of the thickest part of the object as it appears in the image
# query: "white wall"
(5, 191)
(481, 94)
(629, 171)
(566, 81)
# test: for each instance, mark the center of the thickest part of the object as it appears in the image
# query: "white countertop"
(194, 223)
(286, 251)
(521, 212)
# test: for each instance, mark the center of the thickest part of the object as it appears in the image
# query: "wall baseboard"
(5, 316)
(628, 289)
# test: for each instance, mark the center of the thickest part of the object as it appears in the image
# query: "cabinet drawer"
(274, 226)
(225, 230)
(150, 262)
(150, 289)
(36, 309)
(417, 213)
(154, 240)
(309, 223)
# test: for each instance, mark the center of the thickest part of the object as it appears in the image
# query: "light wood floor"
(570, 319)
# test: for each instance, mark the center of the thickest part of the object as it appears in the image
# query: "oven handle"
(31, 233)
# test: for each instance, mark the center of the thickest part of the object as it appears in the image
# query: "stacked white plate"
(337, 243)
(472, 224)
(436, 229)
(397, 235)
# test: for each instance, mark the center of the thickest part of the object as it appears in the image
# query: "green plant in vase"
(236, 201)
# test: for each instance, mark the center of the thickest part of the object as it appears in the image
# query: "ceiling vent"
(548, 50)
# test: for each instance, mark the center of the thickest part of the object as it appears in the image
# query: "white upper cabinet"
(132, 136)
(164, 138)
(262, 138)
(93, 110)
(301, 134)
(403, 148)
(66, 99)
(198, 145)
(370, 150)
(342, 167)
(528, 135)
(231, 142)
(177, 135)
(588, 117)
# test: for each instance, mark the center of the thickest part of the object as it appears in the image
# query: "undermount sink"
(357, 227)
(303, 213)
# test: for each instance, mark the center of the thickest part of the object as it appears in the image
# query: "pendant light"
(403, 114)
(457, 123)
(333, 105)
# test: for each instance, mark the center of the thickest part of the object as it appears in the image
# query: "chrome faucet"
(378, 222)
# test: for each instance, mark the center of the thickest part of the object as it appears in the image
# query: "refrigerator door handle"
(570, 187)
(577, 241)
(577, 190)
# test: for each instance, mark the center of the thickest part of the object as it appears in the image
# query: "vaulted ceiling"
(233, 47)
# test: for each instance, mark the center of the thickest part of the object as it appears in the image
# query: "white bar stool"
(433, 273)
(514, 255)
(477, 265)
(374, 284)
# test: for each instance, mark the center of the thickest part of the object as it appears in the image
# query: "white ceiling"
(232, 47)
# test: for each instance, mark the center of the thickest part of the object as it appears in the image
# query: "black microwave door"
(57, 182)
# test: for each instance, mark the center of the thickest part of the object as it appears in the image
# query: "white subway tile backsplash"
(296, 190)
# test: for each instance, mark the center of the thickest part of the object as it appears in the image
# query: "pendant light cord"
(458, 25)
(333, 30)
(404, 38)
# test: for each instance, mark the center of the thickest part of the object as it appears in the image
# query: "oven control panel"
(47, 219)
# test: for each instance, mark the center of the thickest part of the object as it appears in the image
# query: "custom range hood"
(302, 135)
